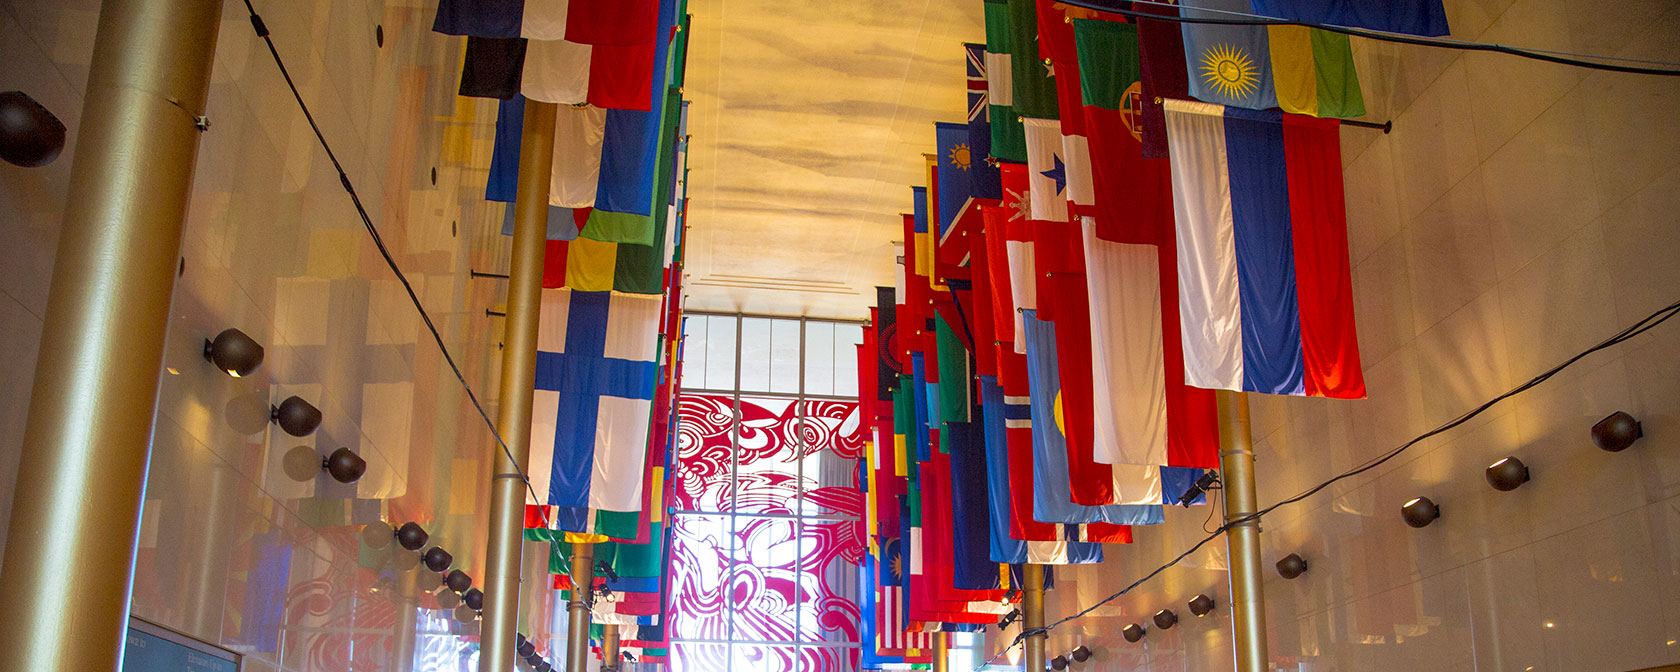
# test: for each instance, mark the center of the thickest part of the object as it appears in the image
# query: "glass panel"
(755, 354)
(819, 358)
(828, 659)
(699, 657)
(765, 582)
(694, 352)
(705, 442)
(846, 339)
(699, 567)
(769, 479)
(831, 553)
(764, 658)
(720, 352)
(784, 356)
(832, 439)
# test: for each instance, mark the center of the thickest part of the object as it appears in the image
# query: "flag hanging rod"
(494, 313)
(1386, 126)
(481, 274)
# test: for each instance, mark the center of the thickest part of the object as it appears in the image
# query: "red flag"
(1161, 48)
(611, 21)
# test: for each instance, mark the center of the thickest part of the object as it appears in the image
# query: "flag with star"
(1047, 170)
(983, 177)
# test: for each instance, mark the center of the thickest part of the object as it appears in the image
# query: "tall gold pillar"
(519, 374)
(577, 611)
(941, 651)
(1236, 460)
(609, 647)
(405, 632)
(1032, 616)
(69, 563)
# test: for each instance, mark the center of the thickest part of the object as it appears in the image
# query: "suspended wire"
(1245, 19)
(1637, 328)
(379, 242)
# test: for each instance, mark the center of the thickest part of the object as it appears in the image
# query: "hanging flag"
(1031, 75)
(1161, 55)
(984, 180)
(1047, 171)
(1302, 70)
(973, 567)
(989, 466)
(1413, 17)
(525, 48)
(595, 382)
(611, 21)
(1131, 275)
(480, 18)
(955, 161)
(1265, 287)
(1008, 141)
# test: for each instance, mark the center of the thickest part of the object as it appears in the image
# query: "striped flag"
(1264, 282)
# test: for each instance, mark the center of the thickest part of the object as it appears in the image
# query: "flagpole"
(1236, 459)
(577, 610)
(609, 647)
(75, 518)
(941, 651)
(1032, 616)
(518, 380)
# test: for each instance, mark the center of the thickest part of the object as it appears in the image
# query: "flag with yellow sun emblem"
(1300, 70)
(956, 194)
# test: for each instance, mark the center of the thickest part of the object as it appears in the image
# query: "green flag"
(1009, 140)
(1034, 92)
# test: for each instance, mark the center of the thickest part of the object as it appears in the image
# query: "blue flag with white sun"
(955, 163)
(1227, 64)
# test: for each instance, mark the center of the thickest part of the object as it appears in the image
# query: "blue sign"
(152, 649)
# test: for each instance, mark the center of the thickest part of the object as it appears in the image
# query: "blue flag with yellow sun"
(1228, 65)
(955, 164)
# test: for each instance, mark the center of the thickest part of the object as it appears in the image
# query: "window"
(767, 527)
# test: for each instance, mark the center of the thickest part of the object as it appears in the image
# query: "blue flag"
(630, 146)
(954, 160)
(1413, 17)
(1227, 64)
(984, 178)
(995, 415)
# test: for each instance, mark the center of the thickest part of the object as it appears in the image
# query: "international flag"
(1264, 282)
(956, 162)
(1413, 17)
(1302, 70)
(595, 380)
(554, 51)
(1131, 274)
(1008, 142)
(1161, 54)
(990, 466)
(984, 180)
(1031, 74)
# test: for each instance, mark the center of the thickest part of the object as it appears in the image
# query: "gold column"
(519, 373)
(405, 633)
(1032, 616)
(69, 563)
(941, 651)
(609, 647)
(577, 611)
(1236, 460)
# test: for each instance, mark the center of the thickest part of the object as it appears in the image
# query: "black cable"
(1637, 328)
(1381, 37)
(379, 242)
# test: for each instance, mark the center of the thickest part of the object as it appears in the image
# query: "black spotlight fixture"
(532, 658)
(1291, 566)
(1208, 481)
(296, 416)
(474, 598)
(30, 136)
(1507, 474)
(1081, 653)
(1059, 663)
(411, 536)
(1009, 618)
(302, 463)
(1012, 594)
(1420, 512)
(344, 465)
(1165, 619)
(543, 666)
(1617, 431)
(437, 559)
(458, 581)
(234, 353)
(527, 649)
(1132, 633)
(603, 569)
(627, 656)
(1200, 605)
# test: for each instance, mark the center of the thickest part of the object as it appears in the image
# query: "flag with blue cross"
(597, 369)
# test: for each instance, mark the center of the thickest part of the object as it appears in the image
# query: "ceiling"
(808, 124)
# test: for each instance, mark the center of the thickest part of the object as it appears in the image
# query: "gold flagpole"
(577, 610)
(941, 651)
(69, 562)
(1032, 615)
(609, 647)
(519, 372)
(1236, 460)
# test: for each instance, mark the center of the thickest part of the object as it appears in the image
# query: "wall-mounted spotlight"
(1208, 481)
(377, 535)
(448, 599)
(603, 569)
(473, 598)
(296, 416)
(344, 465)
(1507, 474)
(466, 614)
(458, 581)
(1132, 633)
(30, 136)
(437, 559)
(527, 649)
(234, 353)
(1200, 605)
(1420, 512)
(1009, 618)
(532, 658)
(1617, 431)
(411, 536)
(1165, 619)
(543, 666)
(1012, 594)
(1059, 663)
(1081, 653)
(627, 656)
(1291, 566)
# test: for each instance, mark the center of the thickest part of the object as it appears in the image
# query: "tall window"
(767, 528)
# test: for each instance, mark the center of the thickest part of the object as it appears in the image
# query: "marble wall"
(1519, 213)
